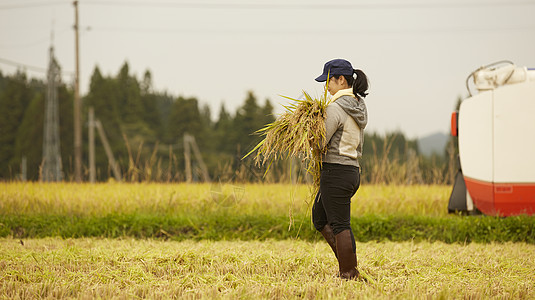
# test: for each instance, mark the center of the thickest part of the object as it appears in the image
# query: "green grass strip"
(226, 226)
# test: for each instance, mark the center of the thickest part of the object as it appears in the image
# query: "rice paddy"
(32, 198)
(253, 254)
(291, 269)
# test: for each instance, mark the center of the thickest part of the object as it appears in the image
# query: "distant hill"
(435, 142)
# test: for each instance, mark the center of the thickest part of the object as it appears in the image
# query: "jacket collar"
(345, 92)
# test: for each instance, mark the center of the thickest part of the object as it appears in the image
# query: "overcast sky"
(417, 53)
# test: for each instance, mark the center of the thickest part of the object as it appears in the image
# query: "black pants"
(338, 183)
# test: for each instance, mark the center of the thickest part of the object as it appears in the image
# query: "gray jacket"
(345, 121)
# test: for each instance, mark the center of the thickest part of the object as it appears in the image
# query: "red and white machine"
(496, 132)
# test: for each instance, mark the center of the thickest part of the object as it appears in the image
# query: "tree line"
(146, 128)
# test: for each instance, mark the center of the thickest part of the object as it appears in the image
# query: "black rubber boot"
(347, 259)
(328, 234)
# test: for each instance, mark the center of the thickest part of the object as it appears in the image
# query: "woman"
(345, 120)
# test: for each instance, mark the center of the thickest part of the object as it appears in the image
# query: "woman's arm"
(332, 122)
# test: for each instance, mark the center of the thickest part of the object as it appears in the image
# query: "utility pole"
(77, 105)
(92, 174)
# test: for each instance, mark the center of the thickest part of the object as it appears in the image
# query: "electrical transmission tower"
(51, 164)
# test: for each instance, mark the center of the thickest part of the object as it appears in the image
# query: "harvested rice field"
(290, 269)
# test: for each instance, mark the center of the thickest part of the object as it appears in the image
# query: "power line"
(35, 42)
(252, 31)
(17, 64)
(30, 67)
(29, 44)
(31, 5)
(274, 6)
(330, 6)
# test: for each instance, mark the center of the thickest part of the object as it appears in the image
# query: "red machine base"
(502, 199)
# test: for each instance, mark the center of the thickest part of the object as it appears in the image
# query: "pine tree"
(225, 132)
(184, 118)
(164, 102)
(29, 142)
(149, 100)
(102, 96)
(14, 98)
(129, 93)
(249, 118)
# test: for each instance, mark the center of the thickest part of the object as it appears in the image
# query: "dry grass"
(102, 268)
(276, 199)
(290, 269)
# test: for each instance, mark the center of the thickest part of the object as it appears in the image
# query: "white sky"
(417, 53)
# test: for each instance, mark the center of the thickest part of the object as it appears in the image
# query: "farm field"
(116, 240)
(109, 198)
(245, 212)
(290, 269)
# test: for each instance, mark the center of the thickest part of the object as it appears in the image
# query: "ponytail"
(358, 83)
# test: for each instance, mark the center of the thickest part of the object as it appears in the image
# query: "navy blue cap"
(335, 67)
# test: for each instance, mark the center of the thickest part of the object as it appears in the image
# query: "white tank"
(488, 79)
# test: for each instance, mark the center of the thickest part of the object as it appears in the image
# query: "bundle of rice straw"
(299, 132)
